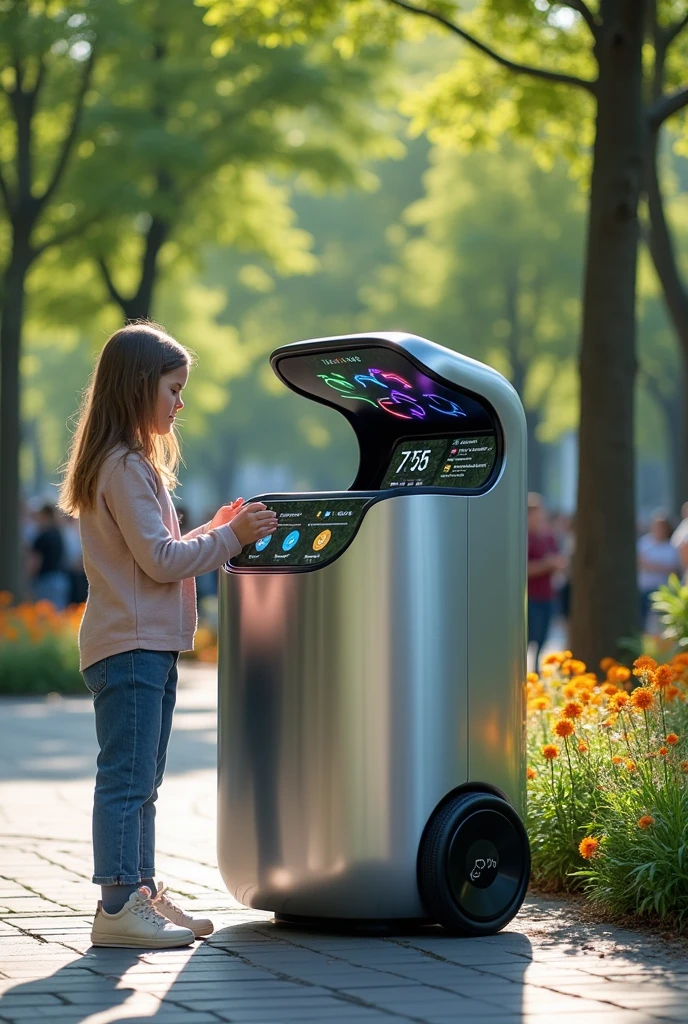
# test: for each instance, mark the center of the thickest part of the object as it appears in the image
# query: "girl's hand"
(253, 522)
(226, 514)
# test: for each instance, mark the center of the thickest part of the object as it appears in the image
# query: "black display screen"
(460, 463)
(310, 532)
(381, 384)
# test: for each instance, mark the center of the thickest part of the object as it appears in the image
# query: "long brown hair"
(118, 407)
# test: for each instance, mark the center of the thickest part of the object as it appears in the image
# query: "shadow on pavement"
(54, 738)
(260, 972)
(89, 984)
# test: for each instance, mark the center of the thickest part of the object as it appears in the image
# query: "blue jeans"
(53, 587)
(539, 618)
(133, 695)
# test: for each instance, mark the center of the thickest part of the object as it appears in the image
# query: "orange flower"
(610, 688)
(644, 664)
(645, 821)
(684, 766)
(618, 701)
(664, 676)
(564, 728)
(533, 677)
(573, 666)
(631, 766)
(572, 709)
(618, 674)
(531, 773)
(550, 751)
(539, 704)
(583, 747)
(5, 598)
(607, 663)
(680, 659)
(556, 657)
(663, 751)
(672, 739)
(642, 698)
(617, 760)
(588, 847)
(607, 724)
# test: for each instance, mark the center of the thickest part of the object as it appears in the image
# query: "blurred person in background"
(679, 539)
(544, 561)
(563, 529)
(49, 580)
(73, 560)
(657, 560)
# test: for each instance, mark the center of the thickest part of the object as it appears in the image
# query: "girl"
(140, 612)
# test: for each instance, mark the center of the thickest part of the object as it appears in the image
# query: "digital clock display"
(460, 463)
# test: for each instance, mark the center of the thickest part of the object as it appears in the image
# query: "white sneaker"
(200, 926)
(138, 923)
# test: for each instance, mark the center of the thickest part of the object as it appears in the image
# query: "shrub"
(38, 648)
(608, 782)
(671, 604)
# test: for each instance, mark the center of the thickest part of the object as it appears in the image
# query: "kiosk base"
(346, 925)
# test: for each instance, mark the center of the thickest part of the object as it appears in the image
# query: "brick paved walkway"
(544, 965)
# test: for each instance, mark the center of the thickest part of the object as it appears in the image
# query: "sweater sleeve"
(197, 531)
(131, 496)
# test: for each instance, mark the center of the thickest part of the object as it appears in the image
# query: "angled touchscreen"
(381, 385)
(462, 463)
(310, 532)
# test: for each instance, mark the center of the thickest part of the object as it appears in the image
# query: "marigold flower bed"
(608, 782)
(39, 650)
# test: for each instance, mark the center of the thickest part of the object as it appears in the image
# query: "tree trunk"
(11, 568)
(139, 306)
(678, 439)
(673, 413)
(605, 605)
(676, 300)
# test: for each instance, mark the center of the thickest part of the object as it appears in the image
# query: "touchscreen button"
(291, 540)
(322, 540)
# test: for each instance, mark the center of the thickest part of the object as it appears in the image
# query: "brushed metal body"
(355, 697)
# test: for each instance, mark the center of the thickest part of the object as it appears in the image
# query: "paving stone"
(251, 970)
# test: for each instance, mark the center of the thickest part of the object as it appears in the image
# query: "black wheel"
(474, 864)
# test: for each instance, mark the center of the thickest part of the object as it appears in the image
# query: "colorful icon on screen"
(263, 542)
(291, 540)
(322, 540)
(327, 514)
(318, 515)
(447, 468)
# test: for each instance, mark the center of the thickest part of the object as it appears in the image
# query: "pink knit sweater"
(141, 586)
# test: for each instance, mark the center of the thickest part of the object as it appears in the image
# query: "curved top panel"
(393, 386)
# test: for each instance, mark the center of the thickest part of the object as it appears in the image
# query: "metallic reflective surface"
(355, 697)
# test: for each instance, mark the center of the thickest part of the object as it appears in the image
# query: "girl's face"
(169, 398)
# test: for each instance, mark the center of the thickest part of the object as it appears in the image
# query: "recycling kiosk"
(372, 655)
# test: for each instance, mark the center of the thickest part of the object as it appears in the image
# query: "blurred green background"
(254, 173)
